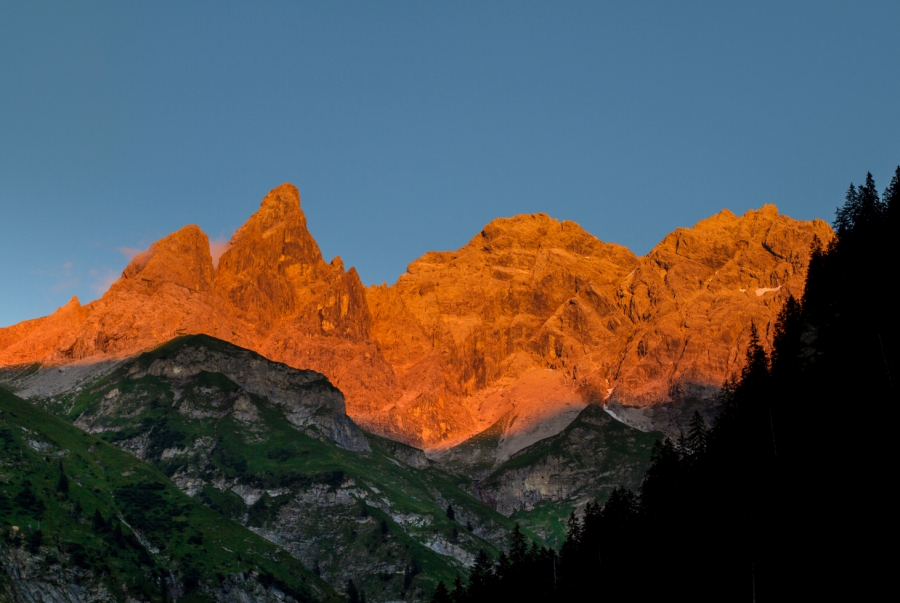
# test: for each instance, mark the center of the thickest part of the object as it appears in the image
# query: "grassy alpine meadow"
(379, 517)
(91, 514)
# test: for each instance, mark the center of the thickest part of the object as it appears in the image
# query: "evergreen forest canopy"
(785, 496)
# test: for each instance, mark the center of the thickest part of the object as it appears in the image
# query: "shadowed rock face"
(426, 359)
(306, 396)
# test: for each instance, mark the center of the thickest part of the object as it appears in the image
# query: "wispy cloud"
(102, 280)
(69, 284)
(130, 252)
(216, 248)
(66, 280)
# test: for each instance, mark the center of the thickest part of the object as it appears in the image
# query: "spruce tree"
(697, 435)
(891, 201)
(62, 484)
(459, 591)
(99, 523)
(481, 578)
(352, 592)
(441, 595)
(518, 548)
(35, 541)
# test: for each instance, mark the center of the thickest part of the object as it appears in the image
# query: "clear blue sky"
(409, 125)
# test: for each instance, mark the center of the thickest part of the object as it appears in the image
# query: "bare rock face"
(695, 296)
(41, 338)
(296, 308)
(459, 325)
(427, 360)
(531, 293)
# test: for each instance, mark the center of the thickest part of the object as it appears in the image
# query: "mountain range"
(520, 329)
(377, 436)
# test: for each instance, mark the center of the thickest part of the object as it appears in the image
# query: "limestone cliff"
(449, 350)
(530, 293)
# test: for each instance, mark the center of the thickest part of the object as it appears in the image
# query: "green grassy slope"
(120, 528)
(378, 517)
(540, 485)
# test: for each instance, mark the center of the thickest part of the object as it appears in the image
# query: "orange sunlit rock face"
(452, 347)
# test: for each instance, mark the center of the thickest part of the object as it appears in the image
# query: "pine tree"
(352, 592)
(451, 514)
(62, 484)
(697, 435)
(440, 594)
(35, 541)
(163, 587)
(661, 479)
(682, 446)
(891, 200)
(459, 591)
(481, 578)
(518, 548)
(29, 501)
(118, 535)
(844, 215)
(574, 530)
(99, 523)
(757, 365)
(410, 572)
(862, 208)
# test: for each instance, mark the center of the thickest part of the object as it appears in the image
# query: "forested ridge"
(785, 497)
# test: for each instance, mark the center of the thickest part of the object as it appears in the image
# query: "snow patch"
(763, 290)
(613, 415)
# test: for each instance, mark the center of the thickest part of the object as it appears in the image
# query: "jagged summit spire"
(181, 258)
(279, 208)
(281, 201)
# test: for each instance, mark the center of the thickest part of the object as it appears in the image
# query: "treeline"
(788, 495)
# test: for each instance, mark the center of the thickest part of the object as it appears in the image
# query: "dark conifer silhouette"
(757, 507)
(352, 592)
(441, 595)
(62, 484)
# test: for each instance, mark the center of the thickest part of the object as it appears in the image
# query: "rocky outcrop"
(32, 579)
(458, 326)
(583, 463)
(530, 293)
(427, 360)
(36, 579)
(307, 397)
(695, 296)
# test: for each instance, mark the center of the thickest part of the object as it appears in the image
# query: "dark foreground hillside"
(81, 520)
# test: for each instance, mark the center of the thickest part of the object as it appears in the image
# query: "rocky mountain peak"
(182, 258)
(269, 258)
(72, 303)
(427, 359)
(279, 210)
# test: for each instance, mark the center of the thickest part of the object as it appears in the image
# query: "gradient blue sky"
(409, 125)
